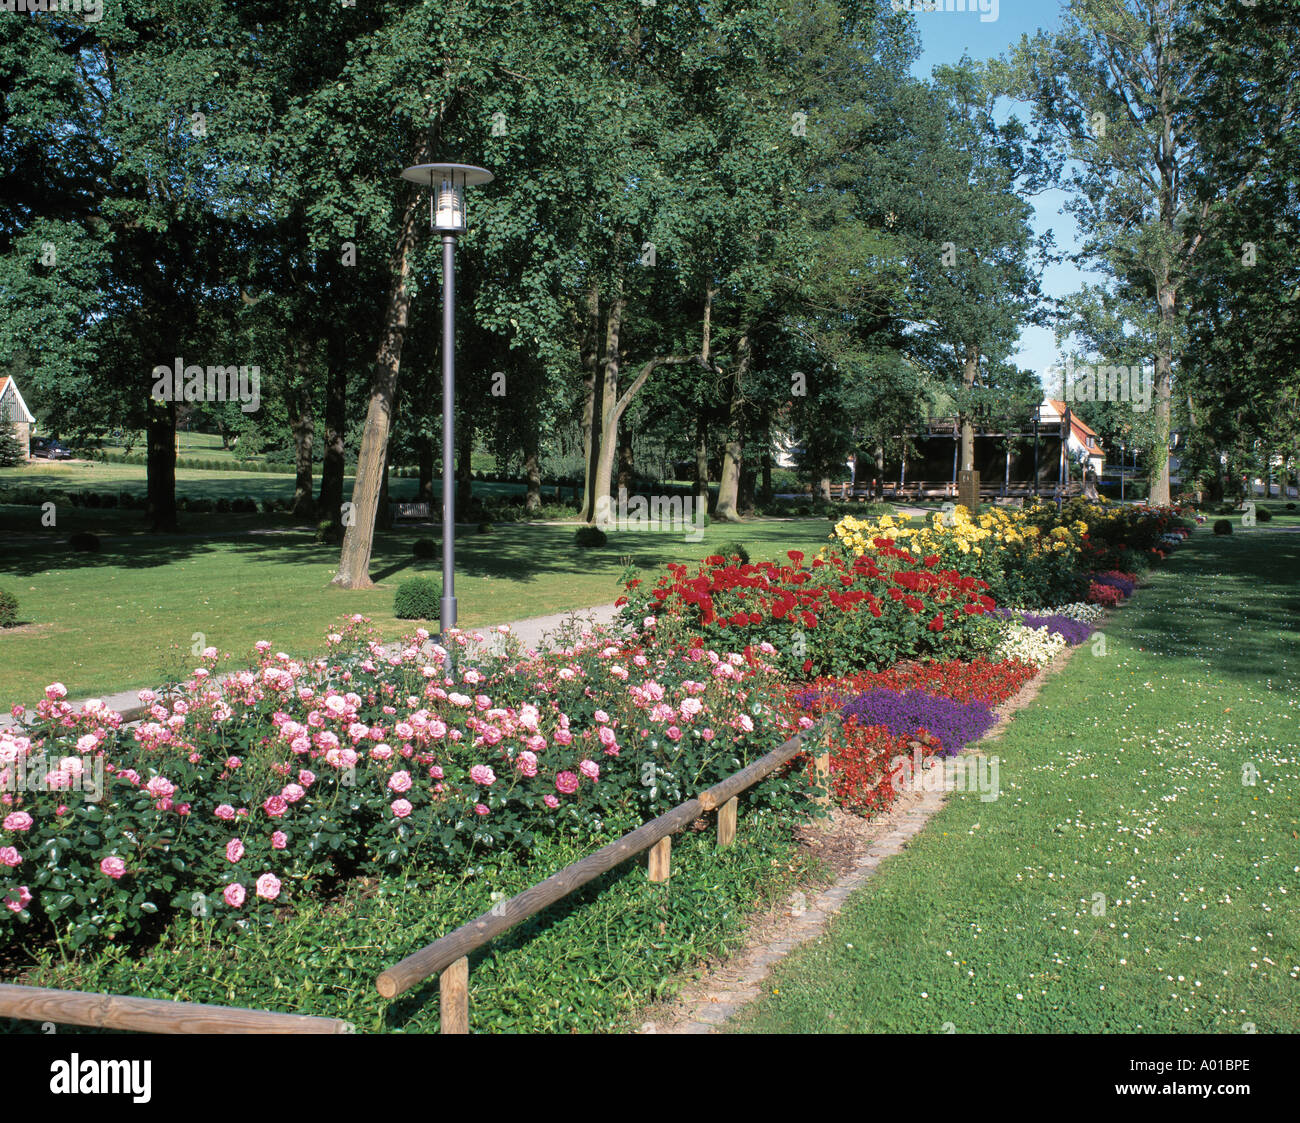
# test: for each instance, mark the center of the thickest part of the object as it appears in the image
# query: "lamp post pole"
(447, 216)
(448, 605)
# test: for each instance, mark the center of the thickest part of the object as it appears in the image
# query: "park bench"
(412, 512)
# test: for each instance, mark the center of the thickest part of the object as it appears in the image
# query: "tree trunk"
(303, 426)
(425, 447)
(591, 403)
(336, 423)
(464, 460)
(602, 512)
(701, 463)
(1159, 494)
(160, 466)
(969, 372)
(533, 474)
(880, 471)
(358, 536)
(626, 463)
(729, 482)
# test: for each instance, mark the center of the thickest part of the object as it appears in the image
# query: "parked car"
(48, 448)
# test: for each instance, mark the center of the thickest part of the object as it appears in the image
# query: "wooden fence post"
(661, 859)
(727, 822)
(822, 766)
(453, 997)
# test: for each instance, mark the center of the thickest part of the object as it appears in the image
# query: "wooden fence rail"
(151, 1015)
(448, 956)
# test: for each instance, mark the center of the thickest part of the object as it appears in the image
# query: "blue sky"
(945, 36)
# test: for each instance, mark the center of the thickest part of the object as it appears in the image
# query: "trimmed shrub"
(328, 532)
(1290, 506)
(424, 548)
(1222, 526)
(8, 609)
(734, 550)
(1263, 514)
(418, 599)
(588, 536)
(84, 542)
(485, 528)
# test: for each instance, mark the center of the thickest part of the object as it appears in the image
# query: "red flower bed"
(980, 680)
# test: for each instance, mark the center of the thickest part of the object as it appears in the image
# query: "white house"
(14, 410)
(1083, 440)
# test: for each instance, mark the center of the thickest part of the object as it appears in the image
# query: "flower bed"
(230, 800)
(832, 617)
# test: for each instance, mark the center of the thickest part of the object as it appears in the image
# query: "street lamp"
(447, 183)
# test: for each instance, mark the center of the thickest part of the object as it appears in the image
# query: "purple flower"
(1074, 632)
(956, 724)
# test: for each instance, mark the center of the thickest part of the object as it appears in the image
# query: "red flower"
(936, 625)
(795, 556)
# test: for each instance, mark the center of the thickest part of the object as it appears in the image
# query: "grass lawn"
(129, 614)
(1127, 880)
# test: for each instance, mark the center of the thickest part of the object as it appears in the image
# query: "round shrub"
(418, 599)
(328, 532)
(588, 536)
(424, 548)
(8, 609)
(84, 542)
(734, 550)
(1263, 515)
(1222, 526)
(485, 528)
(1290, 506)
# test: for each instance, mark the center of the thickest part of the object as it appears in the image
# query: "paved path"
(534, 633)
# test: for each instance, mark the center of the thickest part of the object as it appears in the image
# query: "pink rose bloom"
(400, 781)
(590, 769)
(268, 887)
(279, 840)
(435, 772)
(225, 811)
(234, 850)
(601, 716)
(566, 782)
(563, 737)
(526, 762)
(54, 692)
(9, 856)
(292, 793)
(17, 904)
(492, 735)
(550, 801)
(306, 779)
(112, 867)
(480, 809)
(160, 787)
(747, 723)
(234, 895)
(707, 734)
(401, 807)
(482, 775)
(607, 736)
(674, 734)
(381, 752)
(275, 806)
(18, 821)
(691, 707)
(233, 762)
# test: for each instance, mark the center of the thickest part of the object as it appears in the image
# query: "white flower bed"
(1029, 645)
(1079, 610)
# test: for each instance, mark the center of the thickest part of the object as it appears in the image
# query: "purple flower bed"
(1074, 632)
(956, 724)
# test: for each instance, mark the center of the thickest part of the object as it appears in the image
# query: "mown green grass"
(1122, 784)
(122, 617)
(586, 964)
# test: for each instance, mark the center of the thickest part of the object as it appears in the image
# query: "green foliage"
(590, 536)
(418, 599)
(8, 609)
(425, 548)
(11, 449)
(734, 549)
(1222, 526)
(84, 542)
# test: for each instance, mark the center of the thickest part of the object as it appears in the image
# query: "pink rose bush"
(248, 792)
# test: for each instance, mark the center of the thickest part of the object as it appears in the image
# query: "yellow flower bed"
(958, 533)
